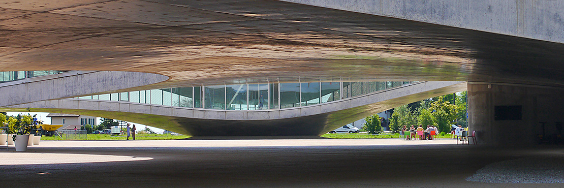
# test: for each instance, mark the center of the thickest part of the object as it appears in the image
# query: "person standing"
(128, 130)
(133, 131)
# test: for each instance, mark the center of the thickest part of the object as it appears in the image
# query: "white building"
(70, 121)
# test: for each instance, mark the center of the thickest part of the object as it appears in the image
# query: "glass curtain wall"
(330, 91)
(250, 96)
(214, 97)
(289, 95)
(310, 93)
(236, 97)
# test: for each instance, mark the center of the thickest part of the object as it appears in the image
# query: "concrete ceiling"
(225, 41)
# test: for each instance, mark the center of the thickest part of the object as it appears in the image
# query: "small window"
(63, 121)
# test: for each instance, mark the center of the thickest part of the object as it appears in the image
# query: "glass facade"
(18, 75)
(260, 96)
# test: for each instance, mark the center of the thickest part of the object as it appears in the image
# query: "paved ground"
(269, 163)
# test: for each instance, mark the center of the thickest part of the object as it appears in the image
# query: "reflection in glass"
(124, 96)
(185, 98)
(236, 97)
(167, 97)
(274, 96)
(197, 97)
(258, 96)
(156, 96)
(330, 91)
(215, 97)
(105, 97)
(310, 93)
(114, 97)
(134, 96)
(289, 95)
(142, 96)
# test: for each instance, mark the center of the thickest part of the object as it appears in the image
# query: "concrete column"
(537, 105)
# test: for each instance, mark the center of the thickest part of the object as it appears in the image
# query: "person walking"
(133, 131)
(128, 130)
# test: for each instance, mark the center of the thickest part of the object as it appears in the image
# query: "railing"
(73, 135)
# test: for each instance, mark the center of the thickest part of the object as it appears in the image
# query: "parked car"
(345, 129)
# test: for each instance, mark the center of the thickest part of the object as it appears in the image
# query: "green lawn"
(120, 137)
(366, 135)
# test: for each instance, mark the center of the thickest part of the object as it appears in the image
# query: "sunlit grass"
(120, 137)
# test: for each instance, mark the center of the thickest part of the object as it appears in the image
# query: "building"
(70, 121)
(280, 69)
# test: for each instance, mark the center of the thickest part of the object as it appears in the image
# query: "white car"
(345, 129)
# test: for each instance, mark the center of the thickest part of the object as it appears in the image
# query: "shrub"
(373, 125)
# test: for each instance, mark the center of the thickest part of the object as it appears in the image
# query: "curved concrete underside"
(308, 120)
(223, 42)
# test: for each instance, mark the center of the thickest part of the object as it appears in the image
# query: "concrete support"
(541, 113)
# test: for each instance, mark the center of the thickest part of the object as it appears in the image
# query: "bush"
(443, 133)
(373, 124)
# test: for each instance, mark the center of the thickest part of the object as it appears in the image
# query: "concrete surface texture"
(542, 20)
(279, 163)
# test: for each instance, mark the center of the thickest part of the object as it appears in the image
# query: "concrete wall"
(543, 20)
(538, 105)
(68, 121)
(72, 84)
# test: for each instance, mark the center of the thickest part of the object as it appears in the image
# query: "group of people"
(419, 132)
(131, 131)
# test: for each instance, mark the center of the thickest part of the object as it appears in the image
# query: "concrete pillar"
(504, 126)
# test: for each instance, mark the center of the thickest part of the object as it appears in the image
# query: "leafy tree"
(405, 116)
(89, 128)
(443, 113)
(425, 118)
(394, 123)
(107, 123)
(461, 104)
(373, 125)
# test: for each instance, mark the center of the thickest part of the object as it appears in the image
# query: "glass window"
(258, 96)
(105, 97)
(124, 96)
(156, 96)
(197, 97)
(142, 96)
(289, 95)
(274, 96)
(134, 96)
(214, 97)
(185, 98)
(167, 97)
(330, 91)
(236, 97)
(85, 97)
(310, 93)
(114, 96)
(347, 89)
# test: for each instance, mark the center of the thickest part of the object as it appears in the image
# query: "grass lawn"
(366, 135)
(120, 137)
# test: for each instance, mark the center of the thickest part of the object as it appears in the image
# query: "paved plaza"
(279, 163)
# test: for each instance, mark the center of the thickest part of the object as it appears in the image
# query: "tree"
(425, 118)
(394, 123)
(443, 113)
(107, 124)
(462, 105)
(373, 125)
(405, 116)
